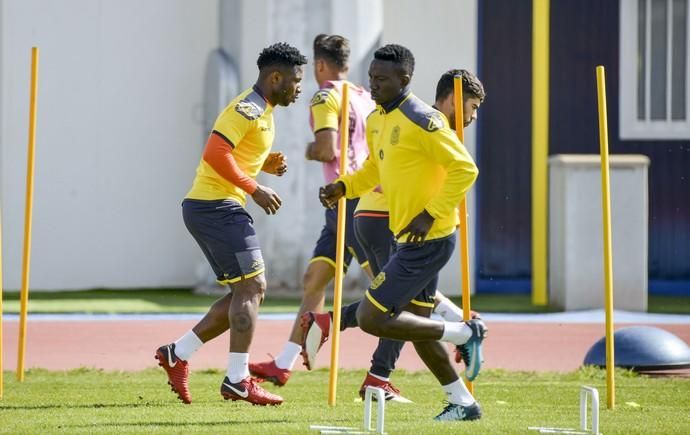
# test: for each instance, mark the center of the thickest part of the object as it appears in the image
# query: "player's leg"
(319, 274)
(243, 313)
(461, 403)
(411, 268)
(376, 240)
(199, 217)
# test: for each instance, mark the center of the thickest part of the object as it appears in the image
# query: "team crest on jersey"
(435, 121)
(380, 278)
(319, 98)
(248, 109)
(395, 135)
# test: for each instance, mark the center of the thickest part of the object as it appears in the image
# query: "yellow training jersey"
(419, 163)
(246, 124)
(372, 201)
(325, 109)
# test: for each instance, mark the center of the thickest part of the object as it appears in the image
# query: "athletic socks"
(186, 345)
(238, 366)
(457, 393)
(456, 332)
(448, 310)
(287, 357)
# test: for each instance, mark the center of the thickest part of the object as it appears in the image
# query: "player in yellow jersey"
(237, 149)
(424, 172)
(331, 53)
(374, 236)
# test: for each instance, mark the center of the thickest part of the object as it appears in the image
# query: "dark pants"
(376, 239)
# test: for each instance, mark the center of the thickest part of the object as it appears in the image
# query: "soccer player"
(424, 172)
(331, 53)
(371, 227)
(237, 149)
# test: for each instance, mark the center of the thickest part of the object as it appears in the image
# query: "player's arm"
(227, 132)
(324, 147)
(445, 148)
(218, 155)
(351, 185)
(325, 111)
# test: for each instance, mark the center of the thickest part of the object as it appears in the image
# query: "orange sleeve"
(218, 154)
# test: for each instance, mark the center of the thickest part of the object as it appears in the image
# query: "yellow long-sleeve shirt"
(419, 163)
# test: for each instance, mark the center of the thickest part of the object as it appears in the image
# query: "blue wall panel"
(584, 33)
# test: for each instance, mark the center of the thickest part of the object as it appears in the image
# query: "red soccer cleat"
(315, 330)
(177, 370)
(391, 393)
(269, 371)
(248, 389)
(460, 350)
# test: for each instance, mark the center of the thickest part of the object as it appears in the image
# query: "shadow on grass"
(85, 406)
(173, 423)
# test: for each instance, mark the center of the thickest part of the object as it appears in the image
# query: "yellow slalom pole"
(2, 356)
(606, 212)
(540, 148)
(462, 211)
(26, 260)
(339, 250)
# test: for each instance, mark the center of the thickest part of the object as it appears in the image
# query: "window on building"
(654, 69)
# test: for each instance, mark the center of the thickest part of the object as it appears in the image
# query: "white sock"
(186, 345)
(448, 310)
(380, 378)
(287, 357)
(456, 332)
(238, 366)
(457, 393)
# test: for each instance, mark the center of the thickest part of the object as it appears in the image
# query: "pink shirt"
(325, 113)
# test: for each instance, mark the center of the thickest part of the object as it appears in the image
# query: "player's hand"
(276, 164)
(330, 194)
(418, 228)
(266, 198)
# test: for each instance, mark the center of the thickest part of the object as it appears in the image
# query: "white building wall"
(442, 35)
(118, 117)
(119, 125)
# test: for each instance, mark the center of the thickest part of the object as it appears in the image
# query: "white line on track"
(589, 316)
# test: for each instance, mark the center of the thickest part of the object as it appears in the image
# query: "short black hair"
(335, 49)
(397, 54)
(280, 54)
(471, 86)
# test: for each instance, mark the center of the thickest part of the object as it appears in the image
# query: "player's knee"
(259, 285)
(251, 287)
(316, 278)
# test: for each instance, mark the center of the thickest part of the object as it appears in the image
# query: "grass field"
(184, 301)
(92, 401)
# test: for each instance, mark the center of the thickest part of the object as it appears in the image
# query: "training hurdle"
(585, 394)
(369, 395)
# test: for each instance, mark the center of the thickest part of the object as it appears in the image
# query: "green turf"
(184, 301)
(92, 401)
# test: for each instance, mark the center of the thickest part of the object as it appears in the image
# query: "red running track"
(130, 345)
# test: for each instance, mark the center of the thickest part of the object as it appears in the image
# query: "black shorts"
(411, 275)
(223, 229)
(375, 238)
(326, 245)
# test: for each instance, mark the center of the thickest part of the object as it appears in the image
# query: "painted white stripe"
(590, 316)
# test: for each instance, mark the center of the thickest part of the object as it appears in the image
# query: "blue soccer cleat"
(453, 412)
(472, 350)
